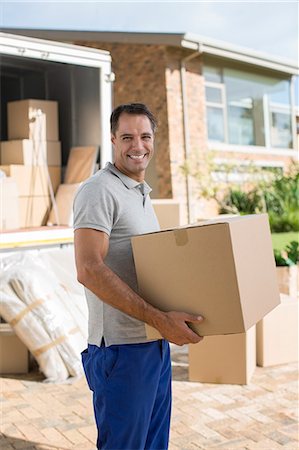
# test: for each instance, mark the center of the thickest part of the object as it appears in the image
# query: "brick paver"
(262, 415)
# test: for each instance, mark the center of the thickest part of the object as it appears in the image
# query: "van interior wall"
(75, 88)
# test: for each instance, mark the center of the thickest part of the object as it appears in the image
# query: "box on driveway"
(229, 359)
(223, 269)
(277, 334)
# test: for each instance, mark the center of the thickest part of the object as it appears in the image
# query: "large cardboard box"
(14, 357)
(277, 334)
(31, 153)
(33, 119)
(33, 180)
(9, 204)
(222, 269)
(229, 359)
(168, 212)
(34, 211)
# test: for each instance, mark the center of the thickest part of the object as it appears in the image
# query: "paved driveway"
(261, 415)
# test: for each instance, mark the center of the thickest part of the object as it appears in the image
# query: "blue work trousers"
(131, 386)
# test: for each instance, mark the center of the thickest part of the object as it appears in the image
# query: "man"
(129, 375)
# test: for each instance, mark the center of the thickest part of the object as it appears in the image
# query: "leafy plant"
(248, 189)
(237, 201)
(292, 250)
(214, 181)
(289, 256)
(281, 199)
(280, 260)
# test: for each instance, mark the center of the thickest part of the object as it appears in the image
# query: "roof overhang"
(189, 41)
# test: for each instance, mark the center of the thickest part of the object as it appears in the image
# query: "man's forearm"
(106, 285)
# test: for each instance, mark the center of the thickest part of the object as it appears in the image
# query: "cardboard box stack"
(32, 157)
(223, 269)
(80, 166)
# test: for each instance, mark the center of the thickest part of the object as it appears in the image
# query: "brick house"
(209, 97)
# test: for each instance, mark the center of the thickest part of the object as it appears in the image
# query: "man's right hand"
(174, 328)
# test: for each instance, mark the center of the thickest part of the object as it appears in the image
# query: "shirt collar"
(127, 181)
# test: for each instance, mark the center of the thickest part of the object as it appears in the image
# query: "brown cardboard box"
(34, 211)
(227, 359)
(64, 203)
(277, 334)
(33, 180)
(223, 269)
(9, 204)
(31, 153)
(13, 353)
(80, 164)
(288, 280)
(168, 212)
(33, 119)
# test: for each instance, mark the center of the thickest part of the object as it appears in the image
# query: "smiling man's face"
(133, 144)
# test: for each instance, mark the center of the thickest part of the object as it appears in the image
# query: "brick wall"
(140, 77)
(175, 126)
(195, 122)
(151, 74)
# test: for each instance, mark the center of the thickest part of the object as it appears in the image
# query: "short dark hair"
(131, 108)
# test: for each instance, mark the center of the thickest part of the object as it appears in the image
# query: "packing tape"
(54, 343)
(181, 236)
(25, 311)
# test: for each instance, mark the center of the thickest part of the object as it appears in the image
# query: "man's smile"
(138, 157)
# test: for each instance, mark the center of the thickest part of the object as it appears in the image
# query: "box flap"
(222, 218)
(255, 266)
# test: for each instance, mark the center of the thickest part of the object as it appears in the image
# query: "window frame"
(267, 148)
(222, 105)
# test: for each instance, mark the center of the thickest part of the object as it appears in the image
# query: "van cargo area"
(54, 133)
(77, 87)
(75, 83)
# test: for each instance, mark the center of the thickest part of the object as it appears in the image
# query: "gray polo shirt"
(110, 201)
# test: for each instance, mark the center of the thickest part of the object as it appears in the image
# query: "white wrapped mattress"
(47, 313)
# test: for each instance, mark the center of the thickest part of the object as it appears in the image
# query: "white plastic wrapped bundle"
(61, 262)
(54, 317)
(51, 306)
(32, 333)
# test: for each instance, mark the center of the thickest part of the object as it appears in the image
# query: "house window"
(240, 122)
(247, 108)
(215, 102)
(281, 125)
(280, 115)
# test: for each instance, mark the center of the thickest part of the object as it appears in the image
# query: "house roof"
(184, 40)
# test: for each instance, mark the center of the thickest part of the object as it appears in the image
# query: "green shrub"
(237, 201)
(293, 251)
(262, 191)
(289, 256)
(274, 193)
